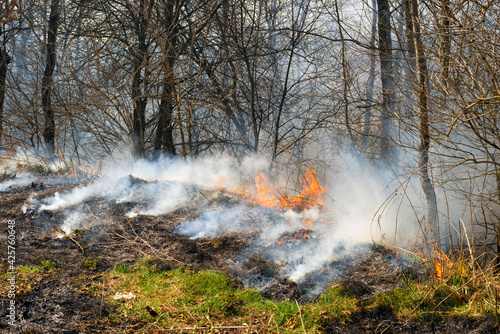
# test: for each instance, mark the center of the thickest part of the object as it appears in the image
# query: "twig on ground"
(76, 242)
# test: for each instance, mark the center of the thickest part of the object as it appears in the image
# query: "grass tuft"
(182, 297)
(48, 264)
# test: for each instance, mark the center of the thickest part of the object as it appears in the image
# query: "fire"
(444, 267)
(266, 194)
(291, 238)
(220, 184)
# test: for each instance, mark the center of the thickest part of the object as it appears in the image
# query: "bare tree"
(10, 19)
(371, 78)
(387, 71)
(425, 135)
(164, 140)
(49, 131)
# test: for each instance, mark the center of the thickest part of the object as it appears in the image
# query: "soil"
(62, 302)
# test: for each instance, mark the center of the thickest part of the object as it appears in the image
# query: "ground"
(59, 295)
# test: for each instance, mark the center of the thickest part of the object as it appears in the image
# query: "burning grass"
(459, 296)
(264, 193)
(264, 245)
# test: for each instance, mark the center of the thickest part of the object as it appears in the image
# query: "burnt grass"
(60, 300)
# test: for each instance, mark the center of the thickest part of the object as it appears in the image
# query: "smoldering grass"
(18, 181)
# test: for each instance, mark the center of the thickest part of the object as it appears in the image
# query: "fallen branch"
(76, 242)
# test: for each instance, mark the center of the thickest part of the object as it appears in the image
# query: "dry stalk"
(149, 246)
(451, 294)
(471, 252)
(496, 307)
(208, 328)
(249, 330)
(376, 329)
(423, 300)
(76, 242)
(300, 316)
(70, 237)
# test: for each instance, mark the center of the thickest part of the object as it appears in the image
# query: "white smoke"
(163, 185)
(73, 220)
(356, 194)
(104, 187)
(219, 221)
(356, 197)
(18, 181)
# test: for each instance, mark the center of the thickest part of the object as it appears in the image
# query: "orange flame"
(444, 267)
(219, 184)
(266, 194)
(288, 239)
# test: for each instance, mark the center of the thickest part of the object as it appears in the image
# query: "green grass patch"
(181, 297)
(27, 278)
(91, 264)
(48, 264)
(454, 297)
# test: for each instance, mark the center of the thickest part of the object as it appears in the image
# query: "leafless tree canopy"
(406, 85)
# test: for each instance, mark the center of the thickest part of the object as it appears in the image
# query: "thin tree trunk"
(445, 46)
(371, 79)
(164, 140)
(138, 99)
(497, 225)
(444, 59)
(138, 113)
(49, 131)
(388, 151)
(4, 61)
(425, 136)
(410, 73)
(344, 77)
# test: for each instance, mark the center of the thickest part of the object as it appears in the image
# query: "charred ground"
(58, 296)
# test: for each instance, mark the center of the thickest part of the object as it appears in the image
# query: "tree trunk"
(139, 101)
(4, 61)
(445, 46)
(164, 139)
(139, 106)
(49, 131)
(388, 150)
(345, 78)
(444, 59)
(410, 79)
(425, 136)
(371, 79)
(497, 225)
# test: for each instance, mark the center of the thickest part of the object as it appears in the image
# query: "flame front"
(444, 267)
(266, 194)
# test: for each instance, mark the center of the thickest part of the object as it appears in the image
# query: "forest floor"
(73, 284)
